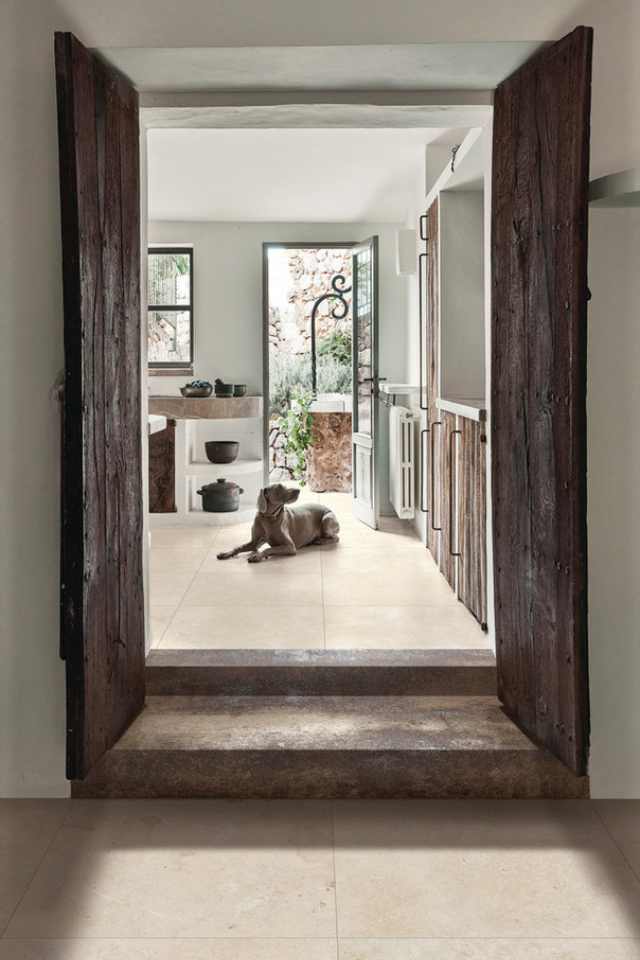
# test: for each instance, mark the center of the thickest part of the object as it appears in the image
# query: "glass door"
(365, 380)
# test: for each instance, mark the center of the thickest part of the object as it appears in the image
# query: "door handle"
(453, 553)
(436, 423)
(423, 509)
(421, 258)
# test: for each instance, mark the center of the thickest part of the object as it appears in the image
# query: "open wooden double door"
(538, 399)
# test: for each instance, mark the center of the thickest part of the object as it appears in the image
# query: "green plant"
(288, 373)
(333, 375)
(297, 427)
(337, 345)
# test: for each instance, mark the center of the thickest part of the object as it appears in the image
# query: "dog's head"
(272, 498)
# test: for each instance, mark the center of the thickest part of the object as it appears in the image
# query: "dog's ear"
(262, 502)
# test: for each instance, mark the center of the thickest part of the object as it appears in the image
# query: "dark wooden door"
(102, 593)
(472, 506)
(538, 394)
(431, 341)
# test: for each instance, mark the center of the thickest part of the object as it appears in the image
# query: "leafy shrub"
(333, 375)
(292, 372)
(287, 374)
(297, 427)
(337, 345)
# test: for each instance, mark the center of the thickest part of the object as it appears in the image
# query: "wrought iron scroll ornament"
(338, 291)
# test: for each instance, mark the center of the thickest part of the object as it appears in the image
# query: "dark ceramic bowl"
(196, 391)
(222, 451)
(239, 389)
(224, 389)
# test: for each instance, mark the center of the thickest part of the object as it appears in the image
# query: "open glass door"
(365, 380)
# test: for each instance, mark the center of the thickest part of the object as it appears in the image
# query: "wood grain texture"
(162, 470)
(538, 405)
(447, 440)
(102, 589)
(471, 506)
(432, 341)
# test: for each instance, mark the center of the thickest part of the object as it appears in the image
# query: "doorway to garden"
(308, 355)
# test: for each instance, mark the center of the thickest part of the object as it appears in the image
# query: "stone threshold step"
(327, 747)
(321, 673)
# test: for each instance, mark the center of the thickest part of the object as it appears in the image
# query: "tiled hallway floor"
(373, 590)
(344, 880)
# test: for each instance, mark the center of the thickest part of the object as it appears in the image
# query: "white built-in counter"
(199, 419)
(473, 408)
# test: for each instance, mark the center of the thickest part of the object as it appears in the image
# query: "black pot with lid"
(221, 496)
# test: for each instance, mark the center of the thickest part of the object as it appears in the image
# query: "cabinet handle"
(436, 423)
(423, 227)
(453, 553)
(421, 332)
(423, 509)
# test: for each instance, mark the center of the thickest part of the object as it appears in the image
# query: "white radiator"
(402, 462)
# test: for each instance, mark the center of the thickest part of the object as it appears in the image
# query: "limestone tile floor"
(344, 880)
(373, 590)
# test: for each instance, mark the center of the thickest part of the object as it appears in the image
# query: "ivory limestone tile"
(447, 626)
(160, 618)
(387, 586)
(184, 560)
(622, 820)
(305, 561)
(486, 949)
(258, 588)
(184, 869)
(168, 587)
(240, 626)
(183, 537)
(27, 827)
(481, 870)
(169, 949)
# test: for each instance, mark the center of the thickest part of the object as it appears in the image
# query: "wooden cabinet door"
(446, 511)
(102, 622)
(538, 393)
(431, 343)
(471, 509)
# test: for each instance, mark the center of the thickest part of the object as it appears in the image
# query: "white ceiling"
(328, 175)
(406, 66)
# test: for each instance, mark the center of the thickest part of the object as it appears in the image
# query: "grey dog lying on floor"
(284, 528)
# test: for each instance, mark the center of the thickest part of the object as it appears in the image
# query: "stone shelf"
(203, 468)
(206, 408)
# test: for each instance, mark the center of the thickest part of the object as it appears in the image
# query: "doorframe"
(266, 247)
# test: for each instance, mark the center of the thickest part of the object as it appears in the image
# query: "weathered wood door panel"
(472, 506)
(447, 438)
(162, 469)
(102, 590)
(538, 403)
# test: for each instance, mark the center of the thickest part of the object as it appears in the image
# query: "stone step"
(324, 747)
(347, 673)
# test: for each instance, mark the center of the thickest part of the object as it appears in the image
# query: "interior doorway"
(448, 473)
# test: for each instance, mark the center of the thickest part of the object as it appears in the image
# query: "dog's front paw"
(225, 556)
(256, 557)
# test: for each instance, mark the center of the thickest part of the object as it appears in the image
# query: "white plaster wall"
(228, 301)
(31, 676)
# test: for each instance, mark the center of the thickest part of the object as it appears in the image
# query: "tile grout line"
(36, 870)
(613, 840)
(335, 876)
(187, 588)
